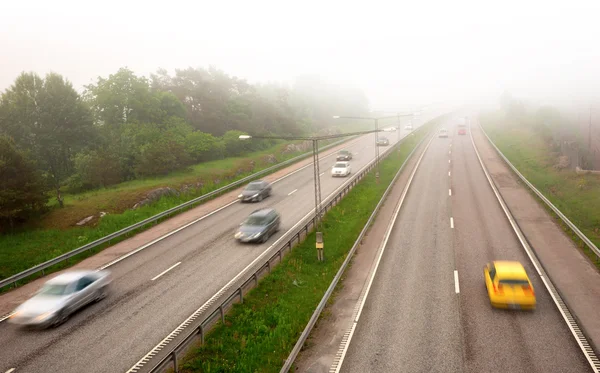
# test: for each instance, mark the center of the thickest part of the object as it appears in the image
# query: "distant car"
(256, 191)
(344, 155)
(443, 133)
(383, 141)
(408, 127)
(341, 169)
(508, 285)
(259, 226)
(60, 297)
(462, 131)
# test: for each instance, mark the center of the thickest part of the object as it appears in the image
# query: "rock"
(270, 159)
(102, 214)
(155, 195)
(291, 148)
(85, 221)
(563, 162)
(199, 185)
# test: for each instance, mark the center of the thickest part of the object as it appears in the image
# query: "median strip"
(259, 334)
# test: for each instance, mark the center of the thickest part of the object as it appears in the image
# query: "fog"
(400, 54)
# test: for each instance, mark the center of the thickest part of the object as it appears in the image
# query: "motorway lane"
(140, 312)
(497, 340)
(410, 321)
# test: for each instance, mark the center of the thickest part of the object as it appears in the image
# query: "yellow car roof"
(509, 269)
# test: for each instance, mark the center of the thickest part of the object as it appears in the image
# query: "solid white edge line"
(456, 285)
(219, 293)
(292, 192)
(529, 251)
(451, 222)
(380, 255)
(165, 271)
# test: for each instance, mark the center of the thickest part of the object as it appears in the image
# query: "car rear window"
(514, 282)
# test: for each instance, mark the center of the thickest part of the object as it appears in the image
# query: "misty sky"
(401, 53)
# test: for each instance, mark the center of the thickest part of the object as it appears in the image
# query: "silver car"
(62, 296)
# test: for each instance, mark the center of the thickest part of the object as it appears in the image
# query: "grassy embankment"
(259, 334)
(576, 196)
(57, 234)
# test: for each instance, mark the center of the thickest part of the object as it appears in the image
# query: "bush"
(202, 147)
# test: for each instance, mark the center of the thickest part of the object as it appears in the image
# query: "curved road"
(415, 319)
(143, 309)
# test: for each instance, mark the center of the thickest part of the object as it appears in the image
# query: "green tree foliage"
(21, 186)
(48, 118)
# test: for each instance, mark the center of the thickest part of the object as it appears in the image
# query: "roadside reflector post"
(320, 256)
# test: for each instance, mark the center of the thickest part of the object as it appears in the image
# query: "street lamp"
(316, 171)
(376, 120)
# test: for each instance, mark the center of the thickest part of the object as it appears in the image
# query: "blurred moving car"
(508, 285)
(344, 155)
(462, 131)
(259, 226)
(62, 296)
(383, 141)
(256, 191)
(443, 133)
(341, 169)
(408, 127)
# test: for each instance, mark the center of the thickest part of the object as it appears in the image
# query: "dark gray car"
(259, 226)
(256, 191)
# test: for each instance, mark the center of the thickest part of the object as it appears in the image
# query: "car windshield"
(343, 152)
(54, 289)
(254, 186)
(256, 221)
(340, 165)
(514, 282)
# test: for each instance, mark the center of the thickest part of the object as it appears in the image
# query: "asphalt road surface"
(417, 320)
(144, 307)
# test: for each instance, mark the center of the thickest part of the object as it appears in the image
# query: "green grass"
(259, 334)
(22, 250)
(576, 196)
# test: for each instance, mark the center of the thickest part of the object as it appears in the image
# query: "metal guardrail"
(315, 316)
(106, 239)
(237, 295)
(562, 216)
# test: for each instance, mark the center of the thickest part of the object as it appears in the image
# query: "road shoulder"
(575, 277)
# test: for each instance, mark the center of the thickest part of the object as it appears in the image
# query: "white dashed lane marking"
(166, 270)
(456, 286)
(292, 192)
(451, 222)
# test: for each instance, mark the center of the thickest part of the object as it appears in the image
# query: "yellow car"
(508, 285)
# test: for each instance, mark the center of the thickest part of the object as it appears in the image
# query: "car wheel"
(61, 318)
(101, 294)
(259, 198)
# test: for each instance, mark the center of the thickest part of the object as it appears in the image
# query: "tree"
(21, 186)
(48, 118)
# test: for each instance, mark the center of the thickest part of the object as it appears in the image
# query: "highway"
(158, 288)
(427, 309)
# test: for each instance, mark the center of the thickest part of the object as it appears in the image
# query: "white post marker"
(451, 223)
(292, 192)
(456, 286)
(166, 270)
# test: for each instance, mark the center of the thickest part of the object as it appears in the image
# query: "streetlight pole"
(316, 174)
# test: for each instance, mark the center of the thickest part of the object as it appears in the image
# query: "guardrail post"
(280, 258)
(201, 330)
(241, 294)
(255, 279)
(269, 265)
(174, 357)
(222, 314)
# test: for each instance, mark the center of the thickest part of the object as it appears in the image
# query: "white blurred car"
(408, 127)
(341, 169)
(62, 296)
(443, 133)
